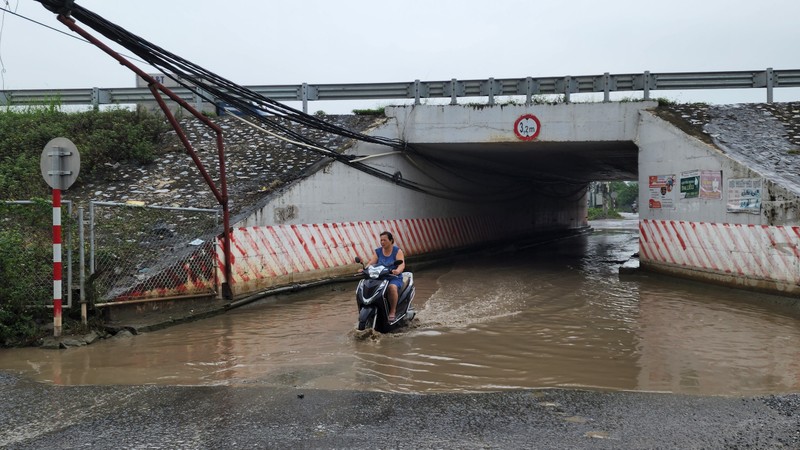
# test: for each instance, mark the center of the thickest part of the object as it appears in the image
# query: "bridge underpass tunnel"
(548, 184)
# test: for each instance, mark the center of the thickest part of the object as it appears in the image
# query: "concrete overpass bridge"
(497, 173)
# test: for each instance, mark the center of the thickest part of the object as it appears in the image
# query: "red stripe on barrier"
(268, 256)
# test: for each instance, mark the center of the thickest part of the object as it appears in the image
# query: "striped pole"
(56, 262)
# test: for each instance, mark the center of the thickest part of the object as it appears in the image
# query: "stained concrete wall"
(700, 238)
(587, 122)
(666, 150)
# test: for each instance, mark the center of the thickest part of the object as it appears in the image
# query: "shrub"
(111, 136)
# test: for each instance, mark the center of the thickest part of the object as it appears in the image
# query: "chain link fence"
(139, 251)
(26, 252)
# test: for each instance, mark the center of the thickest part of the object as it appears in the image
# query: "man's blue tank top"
(387, 261)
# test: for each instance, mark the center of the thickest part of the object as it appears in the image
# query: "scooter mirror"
(398, 262)
(358, 260)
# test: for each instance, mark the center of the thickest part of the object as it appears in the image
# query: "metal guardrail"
(454, 89)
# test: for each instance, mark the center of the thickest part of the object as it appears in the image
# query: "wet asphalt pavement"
(35, 415)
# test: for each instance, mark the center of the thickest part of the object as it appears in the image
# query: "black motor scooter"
(373, 305)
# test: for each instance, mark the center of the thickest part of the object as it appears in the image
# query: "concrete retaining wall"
(703, 238)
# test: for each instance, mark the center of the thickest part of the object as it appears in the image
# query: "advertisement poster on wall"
(662, 194)
(744, 195)
(711, 184)
(690, 184)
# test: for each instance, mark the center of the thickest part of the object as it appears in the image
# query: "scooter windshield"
(375, 271)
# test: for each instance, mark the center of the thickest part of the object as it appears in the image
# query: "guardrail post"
(95, 98)
(198, 100)
(770, 83)
(567, 88)
(606, 87)
(453, 91)
(4, 99)
(416, 92)
(304, 96)
(528, 91)
(646, 82)
(490, 91)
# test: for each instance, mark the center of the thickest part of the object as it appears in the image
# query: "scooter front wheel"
(367, 318)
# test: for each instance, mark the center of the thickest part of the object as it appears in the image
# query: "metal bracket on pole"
(646, 82)
(100, 97)
(416, 92)
(57, 171)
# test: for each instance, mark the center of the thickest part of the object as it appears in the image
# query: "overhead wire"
(77, 38)
(269, 112)
(213, 88)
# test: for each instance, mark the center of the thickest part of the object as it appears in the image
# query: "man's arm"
(373, 259)
(401, 267)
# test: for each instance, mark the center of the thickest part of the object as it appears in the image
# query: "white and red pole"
(56, 262)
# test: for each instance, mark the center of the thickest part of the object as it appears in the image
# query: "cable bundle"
(213, 88)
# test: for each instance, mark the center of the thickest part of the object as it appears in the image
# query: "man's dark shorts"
(397, 281)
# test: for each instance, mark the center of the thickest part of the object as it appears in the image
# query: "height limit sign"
(527, 127)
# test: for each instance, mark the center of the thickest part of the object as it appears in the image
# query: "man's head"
(386, 239)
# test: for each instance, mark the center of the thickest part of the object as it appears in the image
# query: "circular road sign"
(60, 163)
(527, 127)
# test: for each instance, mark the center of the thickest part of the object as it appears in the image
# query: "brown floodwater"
(551, 316)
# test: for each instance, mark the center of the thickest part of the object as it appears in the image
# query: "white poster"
(744, 195)
(662, 192)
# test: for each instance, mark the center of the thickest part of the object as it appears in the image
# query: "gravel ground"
(35, 415)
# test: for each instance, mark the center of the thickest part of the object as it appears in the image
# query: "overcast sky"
(351, 41)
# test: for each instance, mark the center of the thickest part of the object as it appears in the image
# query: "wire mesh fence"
(26, 252)
(139, 251)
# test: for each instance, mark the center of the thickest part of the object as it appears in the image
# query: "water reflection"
(557, 315)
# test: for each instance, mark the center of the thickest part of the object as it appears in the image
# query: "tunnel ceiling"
(575, 161)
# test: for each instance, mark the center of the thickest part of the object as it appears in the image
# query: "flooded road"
(552, 316)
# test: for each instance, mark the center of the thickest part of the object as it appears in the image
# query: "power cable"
(215, 88)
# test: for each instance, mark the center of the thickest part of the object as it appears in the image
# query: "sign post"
(60, 164)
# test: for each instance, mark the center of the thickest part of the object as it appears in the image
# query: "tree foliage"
(627, 193)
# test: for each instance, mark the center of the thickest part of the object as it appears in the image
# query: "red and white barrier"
(757, 252)
(271, 252)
